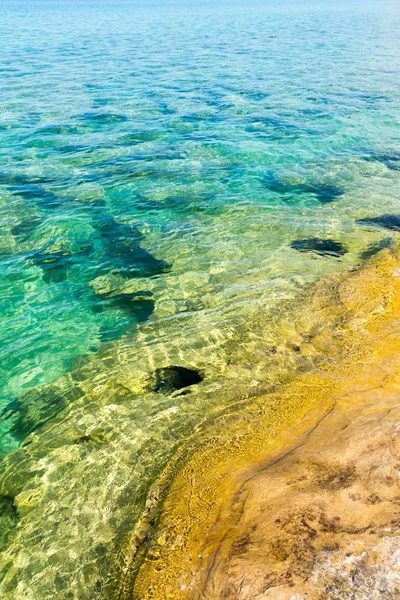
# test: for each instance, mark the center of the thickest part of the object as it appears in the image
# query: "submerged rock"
(170, 379)
(324, 192)
(121, 247)
(391, 160)
(103, 118)
(139, 305)
(387, 221)
(134, 302)
(8, 518)
(267, 510)
(324, 247)
(276, 128)
(90, 497)
(376, 247)
(55, 265)
(34, 409)
(26, 227)
(139, 137)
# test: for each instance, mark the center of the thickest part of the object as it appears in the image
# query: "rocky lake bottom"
(199, 209)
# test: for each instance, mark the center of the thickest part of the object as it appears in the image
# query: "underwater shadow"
(323, 247)
(323, 192)
(387, 221)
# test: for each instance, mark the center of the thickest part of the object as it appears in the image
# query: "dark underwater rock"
(10, 409)
(122, 249)
(324, 193)
(57, 130)
(170, 379)
(140, 137)
(25, 228)
(276, 128)
(38, 196)
(140, 303)
(37, 408)
(376, 247)
(7, 506)
(113, 331)
(324, 247)
(55, 265)
(138, 165)
(18, 179)
(190, 202)
(83, 439)
(8, 518)
(137, 262)
(387, 221)
(70, 148)
(103, 118)
(113, 232)
(30, 188)
(391, 160)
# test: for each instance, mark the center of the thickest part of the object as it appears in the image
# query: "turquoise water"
(159, 161)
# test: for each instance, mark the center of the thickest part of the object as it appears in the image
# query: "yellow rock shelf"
(296, 496)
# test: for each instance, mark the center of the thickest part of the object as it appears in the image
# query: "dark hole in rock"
(184, 392)
(271, 350)
(83, 439)
(7, 506)
(376, 247)
(386, 221)
(324, 247)
(169, 379)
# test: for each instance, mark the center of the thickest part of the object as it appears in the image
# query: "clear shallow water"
(157, 162)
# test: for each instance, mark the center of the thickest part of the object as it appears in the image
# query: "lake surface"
(169, 171)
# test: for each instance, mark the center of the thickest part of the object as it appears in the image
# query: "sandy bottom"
(297, 495)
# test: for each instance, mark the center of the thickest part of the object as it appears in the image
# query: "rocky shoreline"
(142, 487)
(297, 497)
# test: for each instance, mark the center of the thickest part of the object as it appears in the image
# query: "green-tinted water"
(161, 165)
